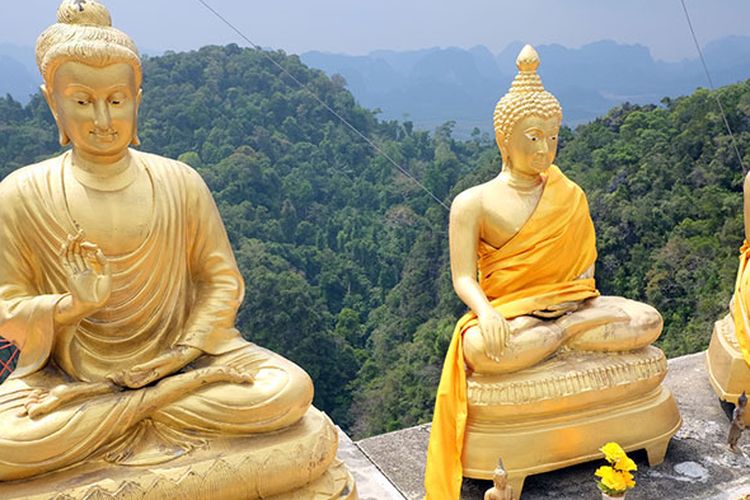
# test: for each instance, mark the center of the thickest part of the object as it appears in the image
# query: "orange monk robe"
(536, 269)
(741, 303)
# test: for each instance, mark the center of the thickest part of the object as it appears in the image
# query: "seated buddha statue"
(522, 253)
(728, 355)
(120, 289)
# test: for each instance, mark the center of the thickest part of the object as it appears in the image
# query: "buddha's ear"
(62, 136)
(136, 141)
(500, 139)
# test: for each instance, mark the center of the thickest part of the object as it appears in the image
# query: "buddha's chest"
(504, 212)
(117, 221)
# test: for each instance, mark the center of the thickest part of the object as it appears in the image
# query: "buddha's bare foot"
(214, 374)
(611, 324)
(177, 386)
(146, 373)
(32, 399)
(42, 402)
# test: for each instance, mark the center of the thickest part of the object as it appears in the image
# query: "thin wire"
(711, 85)
(325, 105)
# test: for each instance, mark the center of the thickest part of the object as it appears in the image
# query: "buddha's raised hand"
(88, 273)
(495, 333)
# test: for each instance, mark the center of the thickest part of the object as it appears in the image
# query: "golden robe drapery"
(180, 286)
(536, 269)
(741, 303)
(146, 314)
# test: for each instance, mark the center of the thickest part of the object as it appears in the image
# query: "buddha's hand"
(162, 366)
(41, 402)
(88, 273)
(495, 333)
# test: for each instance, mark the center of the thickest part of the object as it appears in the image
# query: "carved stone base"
(727, 370)
(558, 422)
(336, 483)
(296, 463)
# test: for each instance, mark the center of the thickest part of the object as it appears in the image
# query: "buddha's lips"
(105, 136)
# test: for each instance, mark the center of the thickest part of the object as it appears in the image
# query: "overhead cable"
(713, 89)
(320, 101)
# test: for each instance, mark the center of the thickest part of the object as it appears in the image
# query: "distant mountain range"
(432, 86)
(18, 73)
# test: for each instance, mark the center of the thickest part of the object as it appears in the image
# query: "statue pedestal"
(296, 463)
(727, 370)
(562, 411)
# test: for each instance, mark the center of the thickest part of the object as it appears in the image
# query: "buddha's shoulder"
(168, 168)
(24, 177)
(563, 181)
(471, 199)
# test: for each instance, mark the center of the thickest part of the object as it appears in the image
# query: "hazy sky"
(358, 26)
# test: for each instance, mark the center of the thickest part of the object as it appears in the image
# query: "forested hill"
(345, 260)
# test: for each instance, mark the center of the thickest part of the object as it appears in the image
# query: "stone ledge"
(371, 483)
(698, 465)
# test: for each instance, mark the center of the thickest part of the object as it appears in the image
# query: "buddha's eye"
(534, 135)
(116, 99)
(82, 102)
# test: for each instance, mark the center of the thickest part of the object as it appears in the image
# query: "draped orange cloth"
(536, 269)
(741, 303)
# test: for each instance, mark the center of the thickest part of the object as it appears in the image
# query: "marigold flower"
(629, 480)
(616, 478)
(612, 479)
(612, 452)
(625, 464)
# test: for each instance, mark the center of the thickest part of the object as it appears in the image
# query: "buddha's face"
(532, 145)
(96, 108)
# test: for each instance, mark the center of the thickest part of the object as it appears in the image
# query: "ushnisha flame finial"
(88, 12)
(528, 59)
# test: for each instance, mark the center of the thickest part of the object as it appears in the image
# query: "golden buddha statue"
(543, 369)
(728, 355)
(119, 286)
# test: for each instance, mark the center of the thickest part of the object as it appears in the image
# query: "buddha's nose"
(102, 118)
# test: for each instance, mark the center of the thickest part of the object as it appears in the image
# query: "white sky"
(359, 26)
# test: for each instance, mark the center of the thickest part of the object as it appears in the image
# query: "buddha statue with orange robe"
(119, 286)
(523, 251)
(728, 355)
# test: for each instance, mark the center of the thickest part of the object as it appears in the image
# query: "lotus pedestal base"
(727, 370)
(296, 463)
(561, 412)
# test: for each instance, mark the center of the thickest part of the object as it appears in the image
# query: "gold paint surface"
(298, 462)
(727, 360)
(542, 445)
(119, 286)
(727, 370)
(543, 370)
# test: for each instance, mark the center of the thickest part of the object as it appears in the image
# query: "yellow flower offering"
(612, 452)
(616, 478)
(625, 463)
